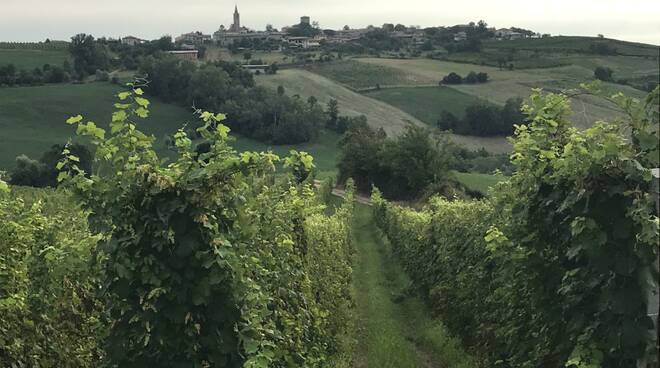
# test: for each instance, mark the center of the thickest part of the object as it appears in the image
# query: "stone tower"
(236, 27)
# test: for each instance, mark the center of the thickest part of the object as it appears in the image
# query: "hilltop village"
(307, 35)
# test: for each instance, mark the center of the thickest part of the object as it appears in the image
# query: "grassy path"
(395, 329)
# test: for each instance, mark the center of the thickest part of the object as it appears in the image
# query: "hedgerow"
(557, 267)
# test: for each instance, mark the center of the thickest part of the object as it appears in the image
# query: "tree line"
(253, 111)
(484, 119)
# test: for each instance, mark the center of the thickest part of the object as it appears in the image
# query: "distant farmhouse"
(132, 41)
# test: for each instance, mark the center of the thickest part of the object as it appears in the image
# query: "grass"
(505, 84)
(33, 119)
(379, 114)
(478, 182)
(358, 75)
(426, 103)
(574, 44)
(324, 150)
(395, 329)
(32, 58)
(305, 84)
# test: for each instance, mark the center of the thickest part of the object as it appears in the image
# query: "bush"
(471, 78)
(102, 76)
(603, 73)
(452, 78)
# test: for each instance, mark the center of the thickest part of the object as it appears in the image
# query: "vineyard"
(212, 260)
(557, 267)
(223, 259)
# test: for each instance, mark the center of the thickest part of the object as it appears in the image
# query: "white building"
(132, 41)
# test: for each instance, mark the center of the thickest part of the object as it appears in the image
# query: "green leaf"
(142, 101)
(142, 112)
(123, 95)
(4, 188)
(74, 119)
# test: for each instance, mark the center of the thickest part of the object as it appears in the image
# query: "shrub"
(452, 78)
(603, 73)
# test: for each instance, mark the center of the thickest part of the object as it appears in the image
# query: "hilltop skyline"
(122, 17)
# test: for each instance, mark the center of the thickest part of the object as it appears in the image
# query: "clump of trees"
(485, 119)
(88, 55)
(12, 76)
(603, 73)
(412, 165)
(43, 172)
(471, 78)
(340, 124)
(253, 111)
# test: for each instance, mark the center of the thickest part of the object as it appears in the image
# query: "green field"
(33, 119)
(378, 113)
(574, 44)
(305, 84)
(356, 75)
(32, 58)
(505, 84)
(324, 150)
(478, 182)
(426, 103)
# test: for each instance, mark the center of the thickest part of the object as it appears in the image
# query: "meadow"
(33, 119)
(306, 84)
(574, 44)
(478, 182)
(379, 114)
(356, 75)
(32, 58)
(426, 103)
(505, 84)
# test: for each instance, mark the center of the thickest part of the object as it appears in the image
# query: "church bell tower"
(236, 27)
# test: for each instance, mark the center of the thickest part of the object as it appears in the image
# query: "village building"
(507, 34)
(227, 37)
(184, 54)
(304, 42)
(460, 36)
(132, 41)
(193, 38)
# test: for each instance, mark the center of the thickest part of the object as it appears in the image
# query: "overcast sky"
(33, 20)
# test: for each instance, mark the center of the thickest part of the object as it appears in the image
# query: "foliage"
(253, 111)
(603, 73)
(88, 55)
(405, 167)
(43, 173)
(49, 278)
(484, 119)
(11, 76)
(556, 269)
(211, 260)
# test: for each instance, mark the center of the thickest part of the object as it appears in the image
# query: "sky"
(35, 20)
